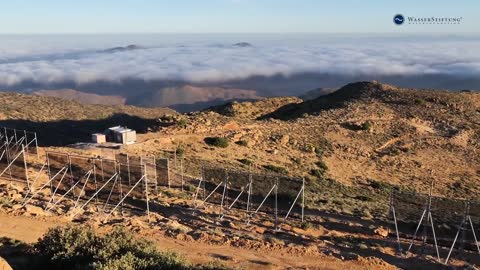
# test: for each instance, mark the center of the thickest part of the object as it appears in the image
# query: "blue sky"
(229, 16)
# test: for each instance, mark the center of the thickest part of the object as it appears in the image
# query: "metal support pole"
(155, 174)
(94, 178)
(40, 189)
(25, 140)
(83, 188)
(30, 189)
(474, 234)
(454, 241)
(124, 197)
(293, 204)
(49, 171)
(111, 191)
(120, 187)
(434, 235)
(211, 193)
(25, 165)
(181, 172)
(128, 169)
(260, 206)
(196, 192)
(303, 198)
(36, 145)
(168, 173)
(396, 229)
(276, 204)
(58, 185)
(249, 192)
(416, 231)
(98, 191)
(70, 167)
(11, 162)
(87, 175)
(225, 184)
(146, 194)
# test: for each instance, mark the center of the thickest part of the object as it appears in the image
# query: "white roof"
(120, 129)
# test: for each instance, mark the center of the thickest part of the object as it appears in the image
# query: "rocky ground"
(328, 242)
(351, 146)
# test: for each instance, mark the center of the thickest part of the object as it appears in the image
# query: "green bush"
(245, 161)
(180, 151)
(75, 247)
(382, 186)
(323, 147)
(5, 202)
(317, 173)
(366, 125)
(241, 143)
(419, 101)
(276, 169)
(217, 142)
(182, 123)
(322, 165)
(306, 225)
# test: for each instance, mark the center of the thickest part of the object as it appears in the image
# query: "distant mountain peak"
(123, 49)
(243, 44)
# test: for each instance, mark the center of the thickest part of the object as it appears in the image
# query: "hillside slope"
(82, 97)
(363, 132)
(59, 121)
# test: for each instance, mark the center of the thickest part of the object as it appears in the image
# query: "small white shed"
(122, 135)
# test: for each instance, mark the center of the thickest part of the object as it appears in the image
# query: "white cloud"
(45, 60)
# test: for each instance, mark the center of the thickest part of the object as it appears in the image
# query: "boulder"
(176, 226)
(284, 140)
(35, 210)
(381, 231)
(77, 191)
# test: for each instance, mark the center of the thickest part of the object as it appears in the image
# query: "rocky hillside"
(363, 132)
(82, 97)
(59, 121)
(191, 98)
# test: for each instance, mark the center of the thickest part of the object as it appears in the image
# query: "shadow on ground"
(64, 132)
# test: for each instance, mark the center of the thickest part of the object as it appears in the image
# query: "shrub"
(217, 142)
(245, 161)
(241, 143)
(321, 165)
(306, 225)
(323, 147)
(367, 125)
(5, 202)
(180, 151)
(364, 198)
(182, 123)
(317, 173)
(80, 248)
(379, 185)
(419, 101)
(276, 169)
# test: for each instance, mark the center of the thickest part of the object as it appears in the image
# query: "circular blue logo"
(398, 19)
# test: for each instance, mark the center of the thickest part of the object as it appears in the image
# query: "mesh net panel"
(213, 184)
(238, 187)
(290, 189)
(60, 173)
(162, 171)
(263, 186)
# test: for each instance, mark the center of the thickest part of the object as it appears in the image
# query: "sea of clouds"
(81, 59)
